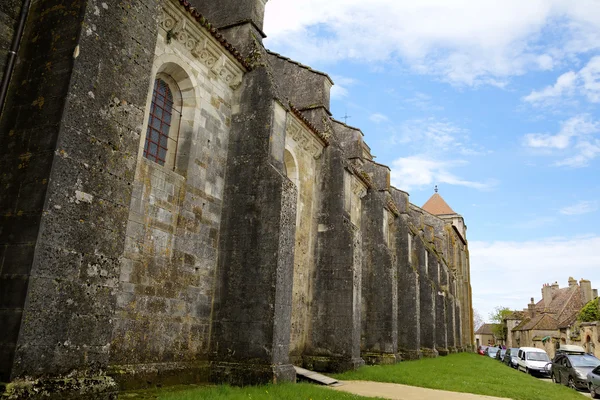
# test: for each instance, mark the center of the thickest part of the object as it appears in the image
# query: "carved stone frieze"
(200, 44)
(358, 187)
(303, 137)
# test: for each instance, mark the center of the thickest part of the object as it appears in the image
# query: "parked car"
(511, 357)
(500, 354)
(482, 350)
(491, 352)
(572, 369)
(570, 349)
(533, 361)
(593, 379)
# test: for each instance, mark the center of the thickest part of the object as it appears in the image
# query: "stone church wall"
(164, 305)
(268, 239)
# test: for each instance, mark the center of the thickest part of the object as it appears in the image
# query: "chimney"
(586, 290)
(547, 292)
(595, 292)
(572, 282)
(531, 308)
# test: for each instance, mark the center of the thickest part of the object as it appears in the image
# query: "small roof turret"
(436, 205)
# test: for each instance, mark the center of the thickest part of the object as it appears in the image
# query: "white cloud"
(565, 85)
(575, 143)
(340, 87)
(582, 207)
(462, 41)
(526, 266)
(586, 82)
(421, 170)
(378, 118)
(434, 135)
(423, 102)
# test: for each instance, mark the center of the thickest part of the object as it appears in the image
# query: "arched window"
(163, 121)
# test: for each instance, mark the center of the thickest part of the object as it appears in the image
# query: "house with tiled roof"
(545, 324)
(486, 335)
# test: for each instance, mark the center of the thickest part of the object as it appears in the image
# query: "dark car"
(572, 369)
(500, 354)
(511, 357)
(594, 383)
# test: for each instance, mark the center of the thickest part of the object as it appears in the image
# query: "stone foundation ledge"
(452, 350)
(332, 364)
(67, 388)
(408, 355)
(429, 353)
(143, 376)
(442, 351)
(380, 358)
(245, 374)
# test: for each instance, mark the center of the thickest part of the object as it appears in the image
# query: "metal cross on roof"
(436, 188)
(346, 116)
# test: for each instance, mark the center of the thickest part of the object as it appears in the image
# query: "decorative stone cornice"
(359, 188)
(193, 32)
(391, 206)
(363, 176)
(320, 135)
(304, 136)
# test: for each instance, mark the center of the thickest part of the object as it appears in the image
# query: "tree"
(590, 312)
(497, 317)
(477, 320)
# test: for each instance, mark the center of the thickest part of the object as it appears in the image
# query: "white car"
(533, 361)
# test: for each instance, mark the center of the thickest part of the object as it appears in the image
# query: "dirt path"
(395, 391)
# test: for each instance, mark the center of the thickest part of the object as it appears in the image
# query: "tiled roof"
(437, 206)
(517, 315)
(214, 32)
(486, 329)
(564, 303)
(542, 322)
(568, 321)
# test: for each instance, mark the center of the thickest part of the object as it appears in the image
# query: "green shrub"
(590, 312)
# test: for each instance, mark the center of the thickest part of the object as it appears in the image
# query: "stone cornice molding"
(391, 205)
(304, 137)
(359, 188)
(180, 26)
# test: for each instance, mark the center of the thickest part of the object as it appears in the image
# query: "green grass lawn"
(301, 391)
(465, 372)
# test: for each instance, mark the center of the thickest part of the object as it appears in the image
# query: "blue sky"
(495, 102)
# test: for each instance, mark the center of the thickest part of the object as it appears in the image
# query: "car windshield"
(584, 361)
(492, 350)
(537, 356)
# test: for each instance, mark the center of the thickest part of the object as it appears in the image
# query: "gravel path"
(396, 391)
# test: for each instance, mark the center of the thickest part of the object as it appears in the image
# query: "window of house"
(163, 123)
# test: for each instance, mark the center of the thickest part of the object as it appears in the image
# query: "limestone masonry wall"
(178, 206)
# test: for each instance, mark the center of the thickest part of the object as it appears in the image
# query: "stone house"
(485, 335)
(552, 321)
(179, 206)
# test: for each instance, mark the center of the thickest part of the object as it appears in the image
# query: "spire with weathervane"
(436, 205)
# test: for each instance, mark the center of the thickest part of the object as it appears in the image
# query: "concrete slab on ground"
(315, 376)
(396, 391)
